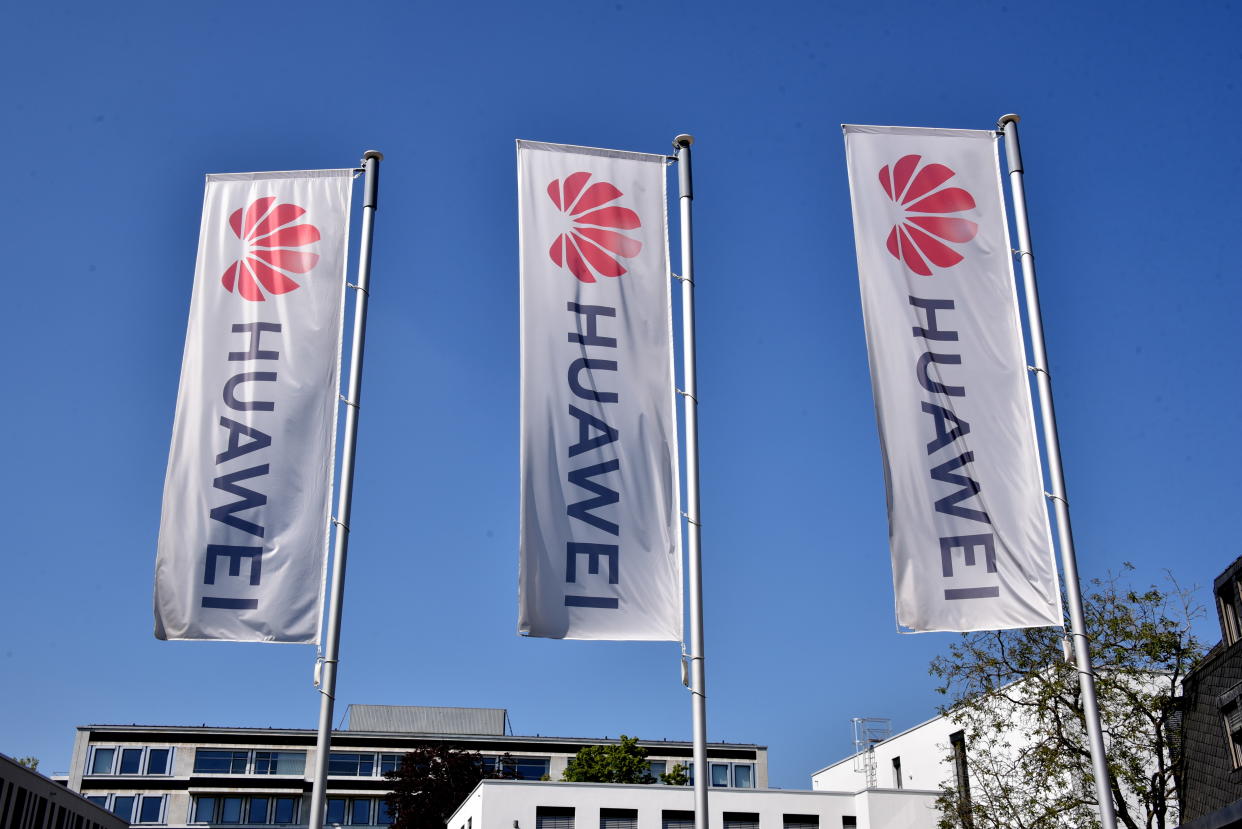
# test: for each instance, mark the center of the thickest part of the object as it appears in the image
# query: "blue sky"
(114, 112)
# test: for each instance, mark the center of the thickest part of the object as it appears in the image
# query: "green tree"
(678, 775)
(623, 762)
(31, 763)
(432, 781)
(1016, 698)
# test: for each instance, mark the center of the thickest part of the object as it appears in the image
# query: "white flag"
(244, 529)
(968, 525)
(601, 525)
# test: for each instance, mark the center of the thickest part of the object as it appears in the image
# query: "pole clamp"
(690, 520)
(689, 395)
(343, 526)
(681, 278)
(357, 288)
(1039, 370)
(1052, 497)
(1020, 253)
(347, 401)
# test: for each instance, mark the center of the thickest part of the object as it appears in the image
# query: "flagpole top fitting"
(376, 154)
(682, 141)
(1006, 119)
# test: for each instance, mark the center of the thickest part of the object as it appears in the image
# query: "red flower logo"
(271, 237)
(926, 235)
(590, 243)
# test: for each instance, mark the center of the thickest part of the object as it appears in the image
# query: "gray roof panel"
(422, 719)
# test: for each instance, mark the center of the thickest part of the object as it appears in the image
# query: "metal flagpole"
(698, 684)
(1008, 125)
(323, 744)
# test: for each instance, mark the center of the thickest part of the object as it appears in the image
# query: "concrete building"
(28, 800)
(516, 804)
(200, 776)
(917, 758)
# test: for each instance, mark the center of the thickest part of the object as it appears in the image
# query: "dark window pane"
(382, 816)
(157, 761)
(257, 813)
(657, 767)
(531, 768)
(101, 763)
(230, 810)
(351, 765)
(123, 806)
(720, 774)
(389, 762)
(149, 811)
(360, 811)
(207, 761)
(285, 811)
(100, 800)
(741, 820)
(279, 762)
(554, 817)
(336, 810)
(204, 810)
(131, 760)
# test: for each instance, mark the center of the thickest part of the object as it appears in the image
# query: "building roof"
(424, 719)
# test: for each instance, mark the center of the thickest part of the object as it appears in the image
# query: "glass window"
(230, 810)
(801, 822)
(389, 762)
(360, 811)
(157, 761)
(351, 765)
(286, 810)
(123, 806)
(204, 809)
(554, 817)
(100, 800)
(207, 761)
(336, 810)
(744, 776)
(531, 768)
(382, 816)
(101, 761)
(618, 819)
(257, 811)
(657, 767)
(720, 774)
(279, 762)
(676, 819)
(150, 808)
(131, 761)
(741, 820)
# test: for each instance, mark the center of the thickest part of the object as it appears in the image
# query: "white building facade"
(517, 804)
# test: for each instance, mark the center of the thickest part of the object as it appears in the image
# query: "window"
(1227, 599)
(618, 819)
(210, 761)
(389, 763)
(230, 810)
(720, 774)
(554, 817)
(531, 768)
(676, 819)
(897, 773)
(360, 811)
(285, 810)
(335, 812)
(657, 767)
(151, 809)
(384, 818)
(123, 806)
(204, 809)
(101, 760)
(131, 761)
(801, 822)
(100, 800)
(848, 822)
(157, 760)
(257, 809)
(743, 776)
(351, 765)
(741, 820)
(280, 762)
(1231, 712)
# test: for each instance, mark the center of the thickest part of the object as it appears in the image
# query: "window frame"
(161, 814)
(274, 757)
(360, 755)
(247, 763)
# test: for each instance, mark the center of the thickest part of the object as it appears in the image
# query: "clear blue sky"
(113, 113)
